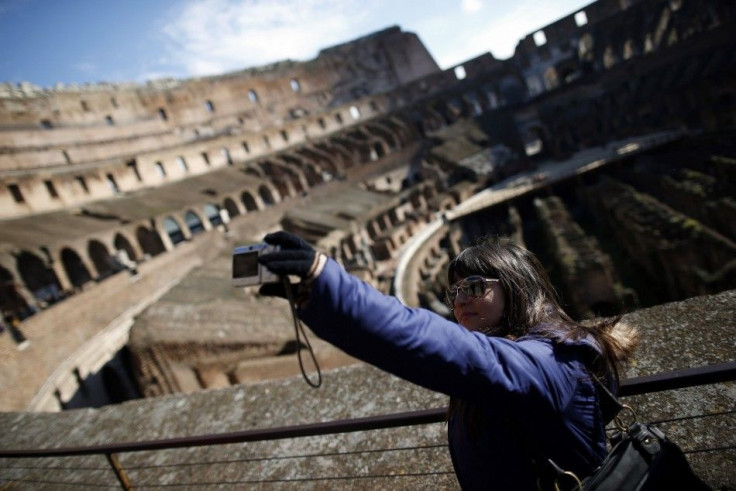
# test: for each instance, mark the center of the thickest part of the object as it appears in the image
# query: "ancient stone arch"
(610, 57)
(566, 71)
(75, 269)
(121, 243)
(38, 278)
(150, 242)
(194, 222)
(446, 203)
(268, 196)
(378, 147)
(586, 48)
(403, 129)
(630, 49)
(453, 108)
(336, 157)
(322, 162)
(432, 117)
(212, 212)
(472, 103)
(512, 89)
(311, 172)
(225, 152)
(551, 78)
(253, 169)
(382, 131)
(296, 175)
(534, 137)
(231, 205)
(372, 146)
(174, 230)
(348, 148)
(9, 295)
(280, 176)
(101, 259)
(249, 201)
(490, 96)
(15, 299)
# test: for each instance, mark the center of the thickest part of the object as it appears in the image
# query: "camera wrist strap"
(300, 333)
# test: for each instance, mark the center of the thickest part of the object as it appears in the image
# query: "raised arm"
(423, 347)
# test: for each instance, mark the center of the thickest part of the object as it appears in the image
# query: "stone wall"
(697, 332)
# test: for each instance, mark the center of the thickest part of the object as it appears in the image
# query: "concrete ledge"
(696, 332)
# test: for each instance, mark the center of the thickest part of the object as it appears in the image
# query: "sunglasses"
(472, 286)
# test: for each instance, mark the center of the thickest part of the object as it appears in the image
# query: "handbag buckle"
(619, 422)
(560, 473)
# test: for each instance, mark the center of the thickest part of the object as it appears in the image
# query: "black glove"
(296, 257)
(278, 290)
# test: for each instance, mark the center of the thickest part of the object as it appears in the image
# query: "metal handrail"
(677, 379)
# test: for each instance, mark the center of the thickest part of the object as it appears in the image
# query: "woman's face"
(478, 303)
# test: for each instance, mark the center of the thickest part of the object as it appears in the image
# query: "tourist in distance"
(518, 370)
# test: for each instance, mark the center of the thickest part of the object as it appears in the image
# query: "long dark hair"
(532, 302)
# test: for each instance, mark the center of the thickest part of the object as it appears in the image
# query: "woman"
(519, 372)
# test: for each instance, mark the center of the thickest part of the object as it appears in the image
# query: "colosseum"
(605, 144)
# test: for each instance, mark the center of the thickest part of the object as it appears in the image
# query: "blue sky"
(78, 41)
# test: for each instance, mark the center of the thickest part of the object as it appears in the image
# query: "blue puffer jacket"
(536, 395)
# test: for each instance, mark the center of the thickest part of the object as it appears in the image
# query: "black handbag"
(642, 458)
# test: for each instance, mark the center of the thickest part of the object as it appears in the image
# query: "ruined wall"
(589, 277)
(607, 238)
(146, 136)
(86, 172)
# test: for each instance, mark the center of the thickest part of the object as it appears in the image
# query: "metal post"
(119, 472)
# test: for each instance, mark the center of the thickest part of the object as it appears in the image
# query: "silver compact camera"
(247, 271)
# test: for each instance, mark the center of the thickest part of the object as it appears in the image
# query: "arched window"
(113, 184)
(249, 202)
(194, 224)
(100, 257)
(212, 212)
(161, 170)
(226, 156)
(231, 207)
(149, 241)
(12, 303)
(75, 269)
(173, 230)
(266, 195)
(39, 279)
(122, 244)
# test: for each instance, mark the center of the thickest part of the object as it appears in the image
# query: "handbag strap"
(609, 404)
(549, 474)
